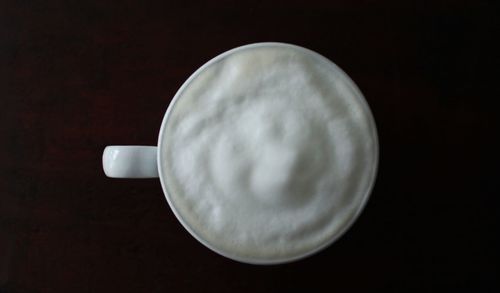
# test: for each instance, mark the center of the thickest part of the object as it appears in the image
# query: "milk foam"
(268, 153)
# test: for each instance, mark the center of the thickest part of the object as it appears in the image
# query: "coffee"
(269, 153)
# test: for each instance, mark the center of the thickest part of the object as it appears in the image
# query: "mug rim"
(345, 227)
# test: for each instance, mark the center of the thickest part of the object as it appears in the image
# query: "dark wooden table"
(76, 76)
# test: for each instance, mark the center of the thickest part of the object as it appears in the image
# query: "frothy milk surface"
(269, 152)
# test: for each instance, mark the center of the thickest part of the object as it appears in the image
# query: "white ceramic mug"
(124, 161)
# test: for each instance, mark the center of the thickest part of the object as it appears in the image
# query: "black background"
(76, 76)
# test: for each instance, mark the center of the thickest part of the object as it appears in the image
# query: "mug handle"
(130, 161)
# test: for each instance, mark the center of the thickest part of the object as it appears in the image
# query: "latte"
(269, 153)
